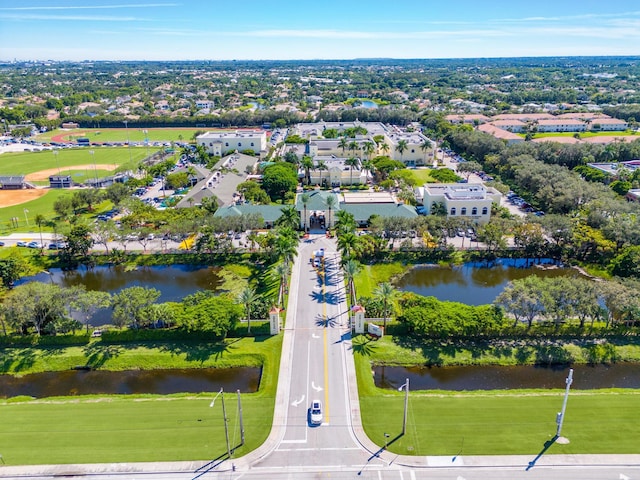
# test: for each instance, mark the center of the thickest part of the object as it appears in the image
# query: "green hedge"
(36, 340)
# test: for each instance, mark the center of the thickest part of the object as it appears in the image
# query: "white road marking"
(317, 389)
(315, 336)
(295, 403)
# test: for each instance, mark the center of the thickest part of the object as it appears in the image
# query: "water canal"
(160, 382)
(585, 377)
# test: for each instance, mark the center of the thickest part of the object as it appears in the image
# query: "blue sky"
(314, 29)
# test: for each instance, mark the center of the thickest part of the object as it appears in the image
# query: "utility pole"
(241, 422)
(560, 416)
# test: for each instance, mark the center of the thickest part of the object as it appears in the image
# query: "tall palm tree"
(368, 148)
(281, 271)
(305, 198)
(353, 146)
(368, 166)
(330, 202)
(40, 220)
(343, 144)
(347, 244)
(351, 162)
(247, 298)
(385, 293)
(402, 147)
(384, 147)
(307, 164)
(320, 166)
(424, 146)
(351, 269)
(289, 218)
(345, 222)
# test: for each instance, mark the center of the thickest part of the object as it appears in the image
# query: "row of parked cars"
(514, 199)
(52, 245)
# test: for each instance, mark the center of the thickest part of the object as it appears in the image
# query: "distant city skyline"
(262, 30)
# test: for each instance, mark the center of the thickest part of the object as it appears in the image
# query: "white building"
(469, 200)
(337, 173)
(201, 104)
(222, 143)
(418, 148)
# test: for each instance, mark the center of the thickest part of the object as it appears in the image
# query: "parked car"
(34, 245)
(1, 244)
(315, 413)
(21, 244)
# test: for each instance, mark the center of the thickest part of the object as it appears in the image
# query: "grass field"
(120, 428)
(23, 163)
(120, 134)
(496, 422)
(373, 275)
(42, 205)
(422, 176)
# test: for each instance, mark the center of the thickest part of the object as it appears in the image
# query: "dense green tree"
(278, 180)
(130, 305)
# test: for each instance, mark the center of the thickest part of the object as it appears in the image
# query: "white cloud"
(79, 18)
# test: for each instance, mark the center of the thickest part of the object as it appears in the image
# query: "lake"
(174, 282)
(476, 283)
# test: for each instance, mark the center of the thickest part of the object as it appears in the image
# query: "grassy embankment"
(491, 422)
(123, 428)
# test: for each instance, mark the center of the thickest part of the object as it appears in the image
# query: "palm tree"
(353, 146)
(289, 218)
(384, 147)
(351, 269)
(320, 166)
(307, 164)
(351, 162)
(281, 271)
(385, 293)
(305, 198)
(330, 202)
(424, 146)
(402, 147)
(368, 148)
(40, 220)
(347, 244)
(248, 297)
(345, 222)
(368, 166)
(343, 144)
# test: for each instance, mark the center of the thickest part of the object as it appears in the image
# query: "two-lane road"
(318, 370)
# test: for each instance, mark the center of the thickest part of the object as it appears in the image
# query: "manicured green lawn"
(23, 163)
(495, 422)
(373, 275)
(120, 134)
(42, 205)
(422, 176)
(120, 428)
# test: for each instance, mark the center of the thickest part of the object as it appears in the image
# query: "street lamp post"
(126, 126)
(95, 169)
(241, 422)
(560, 416)
(224, 416)
(55, 154)
(406, 404)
